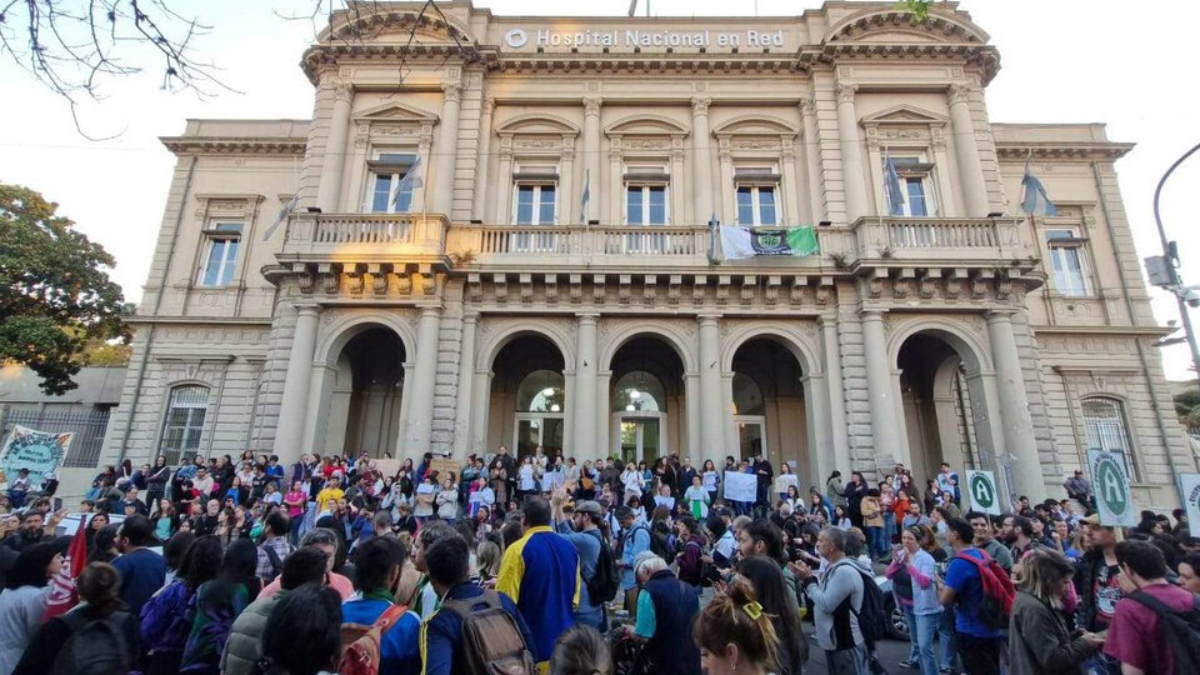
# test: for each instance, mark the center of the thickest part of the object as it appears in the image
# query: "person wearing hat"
(582, 529)
(1097, 584)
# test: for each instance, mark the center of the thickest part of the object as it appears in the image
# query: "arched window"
(1104, 423)
(184, 424)
(639, 391)
(541, 391)
(747, 396)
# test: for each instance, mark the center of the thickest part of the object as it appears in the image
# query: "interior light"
(635, 394)
(555, 408)
(630, 408)
(548, 391)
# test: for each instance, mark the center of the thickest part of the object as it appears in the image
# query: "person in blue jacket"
(376, 576)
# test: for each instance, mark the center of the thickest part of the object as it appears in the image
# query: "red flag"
(63, 594)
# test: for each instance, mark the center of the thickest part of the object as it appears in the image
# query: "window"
(916, 180)
(757, 200)
(220, 258)
(541, 391)
(645, 204)
(184, 423)
(1068, 262)
(1104, 423)
(390, 193)
(535, 204)
(639, 391)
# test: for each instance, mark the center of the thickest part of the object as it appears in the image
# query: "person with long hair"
(23, 602)
(98, 522)
(1039, 640)
(711, 480)
(581, 650)
(735, 634)
(157, 479)
(166, 619)
(165, 519)
(100, 590)
(218, 603)
(104, 545)
(487, 563)
(914, 585)
(303, 633)
(769, 585)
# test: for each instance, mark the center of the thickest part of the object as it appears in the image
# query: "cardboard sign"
(981, 486)
(741, 487)
(1114, 497)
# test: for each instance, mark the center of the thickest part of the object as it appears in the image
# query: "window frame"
(1128, 452)
(536, 211)
(172, 453)
(1077, 243)
(915, 166)
(378, 168)
(217, 233)
(755, 176)
(646, 187)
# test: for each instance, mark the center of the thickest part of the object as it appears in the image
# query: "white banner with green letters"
(1110, 483)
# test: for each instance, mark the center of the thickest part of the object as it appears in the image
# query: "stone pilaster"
(702, 164)
(886, 426)
(970, 169)
(296, 385)
(853, 174)
(329, 189)
(591, 158)
(583, 408)
(447, 149)
(419, 422)
(1019, 440)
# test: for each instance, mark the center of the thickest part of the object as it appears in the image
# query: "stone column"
(420, 395)
(853, 174)
(481, 165)
(712, 409)
(447, 150)
(504, 195)
(702, 163)
(1021, 446)
(728, 191)
(584, 405)
(329, 189)
(466, 380)
(790, 214)
(591, 157)
(970, 169)
(886, 426)
(295, 384)
(835, 393)
(812, 160)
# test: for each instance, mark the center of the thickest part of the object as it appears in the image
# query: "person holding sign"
(697, 499)
(784, 480)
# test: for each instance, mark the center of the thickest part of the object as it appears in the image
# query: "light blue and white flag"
(286, 211)
(411, 181)
(1036, 202)
(586, 198)
(891, 184)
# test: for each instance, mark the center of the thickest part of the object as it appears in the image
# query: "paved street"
(890, 652)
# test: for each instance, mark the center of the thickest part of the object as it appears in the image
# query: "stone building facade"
(446, 286)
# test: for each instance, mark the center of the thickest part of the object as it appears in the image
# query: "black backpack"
(605, 583)
(1182, 630)
(872, 616)
(96, 646)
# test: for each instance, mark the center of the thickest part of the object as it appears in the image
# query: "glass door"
(533, 430)
(752, 435)
(640, 440)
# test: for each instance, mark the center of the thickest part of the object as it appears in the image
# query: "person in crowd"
(711, 480)
(635, 540)
(142, 571)
(295, 503)
(1040, 640)
(914, 517)
(947, 481)
(778, 602)
(697, 498)
(977, 643)
(35, 529)
(328, 498)
(425, 600)
(914, 584)
(166, 619)
(666, 609)
(442, 637)
(302, 635)
(157, 480)
(584, 533)
(1098, 587)
(1024, 541)
(837, 598)
(856, 491)
(18, 488)
(1078, 488)
(165, 520)
(841, 519)
(211, 518)
(99, 590)
(581, 650)
(174, 551)
(541, 573)
(736, 636)
(447, 500)
(690, 550)
(274, 548)
(488, 556)
(23, 601)
(327, 542)
(1189, 572)
(104, 545)
(1137, 636)
(218, 604)
(986, 541)
(98, 522)
(872, 517)
(377, 571)
(132, 504)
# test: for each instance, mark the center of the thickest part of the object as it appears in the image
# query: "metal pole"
(1166, 245)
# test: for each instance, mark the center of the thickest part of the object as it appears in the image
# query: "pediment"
(755, 125)
(396, 112)
(905, 114)
(388, 24)
(646, 125)
(537, 123)
(896, 26)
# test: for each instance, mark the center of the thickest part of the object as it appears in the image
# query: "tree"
(56, 298)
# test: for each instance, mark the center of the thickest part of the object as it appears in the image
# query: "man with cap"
(1079, 489)
(582, 528)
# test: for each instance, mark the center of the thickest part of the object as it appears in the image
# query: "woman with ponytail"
(735, 634)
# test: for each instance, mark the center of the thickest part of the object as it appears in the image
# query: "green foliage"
(918, 8)
(1186, 402)
(55, 295)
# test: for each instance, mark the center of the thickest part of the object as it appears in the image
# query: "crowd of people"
(538, 563)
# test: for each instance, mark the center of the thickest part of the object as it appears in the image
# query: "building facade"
(502, 239)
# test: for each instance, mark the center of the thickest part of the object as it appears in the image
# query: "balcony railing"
(364, 236)
(947, 241)
(673, 246)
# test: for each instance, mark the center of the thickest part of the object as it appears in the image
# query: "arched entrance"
(365, 406)
(528, 397)
(769, 411)
(647, 400)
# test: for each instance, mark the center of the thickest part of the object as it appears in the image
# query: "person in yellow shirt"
(331, 493)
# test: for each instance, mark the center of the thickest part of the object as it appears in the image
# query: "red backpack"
(361, 650)
(998, 591)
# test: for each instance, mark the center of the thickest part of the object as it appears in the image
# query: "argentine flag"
(1036, 202)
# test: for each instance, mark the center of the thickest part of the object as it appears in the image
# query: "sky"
(1075, 61)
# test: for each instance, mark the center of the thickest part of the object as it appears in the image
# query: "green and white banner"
(1189, 494)
(739, 243)
(981, 486)
(1114, 497)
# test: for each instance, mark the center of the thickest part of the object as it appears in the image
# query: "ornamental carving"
(342, 91)
(646, 144)
(808, 106)
(700, 105)
(845, 92)
(452, 92)
(591, 105)
(536, 143)
(489, 105)
(755, 144)
(959, 93)
(396, 130)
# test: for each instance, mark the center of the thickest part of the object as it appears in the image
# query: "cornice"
(984, 57)
(1044, 151)
(230, 145)
(198, 321)
(1115, 331)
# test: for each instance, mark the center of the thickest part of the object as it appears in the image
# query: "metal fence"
(88, 427)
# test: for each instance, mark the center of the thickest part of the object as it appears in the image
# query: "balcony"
(364, 237)
(599, 246)
(935, 242)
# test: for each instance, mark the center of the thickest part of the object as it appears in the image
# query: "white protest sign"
(741, 487)
(981, 486)
(1114, 498)
(783, 481)
(1189, 496)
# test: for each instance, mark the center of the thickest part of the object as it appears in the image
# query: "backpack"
(662, 546)
(96, 646)
(998, 591)
(605, 583)
(361, 650)
(1182, 630)
(276, 563)
(492, 643)
(873, 615)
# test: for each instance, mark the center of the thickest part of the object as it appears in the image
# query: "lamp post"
(1163, 268)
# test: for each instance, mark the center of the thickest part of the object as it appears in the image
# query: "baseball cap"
(586, 506)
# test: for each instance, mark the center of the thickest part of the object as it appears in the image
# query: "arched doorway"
(647, 400)
(528, 398)
(768, 403)
(939, 402)
(365, 406)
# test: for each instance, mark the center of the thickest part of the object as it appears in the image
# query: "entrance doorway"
(533, 429)
(365, 401)
(646, 401)
(528, 401)
(641, 439)
(752, 436)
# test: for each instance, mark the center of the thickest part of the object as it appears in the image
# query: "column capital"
(808, 105)
(827, 321)
(700, 105)
(452, 92)
(587, 317)
(960, 93)
(872, 313)
(307, 308)
(999, 315)
(845, 92)
(470, 317)
(342, 90)
(489, 105)
(431, 311)
(708, 319)
(591, 105)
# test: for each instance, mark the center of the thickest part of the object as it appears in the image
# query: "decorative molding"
(700, 105)
(845, 92)
(219, 145)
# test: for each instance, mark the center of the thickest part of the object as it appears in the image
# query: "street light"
(1163, 269)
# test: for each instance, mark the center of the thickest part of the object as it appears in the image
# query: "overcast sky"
(1126, 64)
